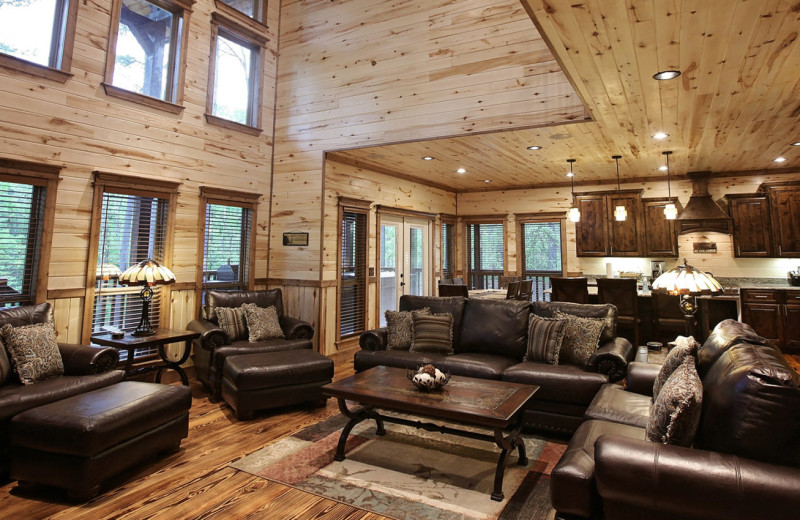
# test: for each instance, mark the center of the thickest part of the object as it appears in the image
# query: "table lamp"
(147, 273)
(687, 282)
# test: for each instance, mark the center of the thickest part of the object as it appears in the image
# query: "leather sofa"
(744, 462)
(214, 345)
(489, 342)
(85, 369)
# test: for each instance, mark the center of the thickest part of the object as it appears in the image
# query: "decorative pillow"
(580, 338)
(675, 414)
(398, 328)
(34, 351)
(675, 358)
(545, 336)
(262, 324)
(432, 333)
(231, 320)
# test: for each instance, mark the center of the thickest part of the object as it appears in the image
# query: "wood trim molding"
(224, 194)
(256, 24)
(488, 219)
(60, 294)
(233, 125)
(12, 63)
(118, 180)
(388, 210)
(295, 282)
(30, 170)
(141, 99)
(355, 203)
(245, 30)
(546, 215)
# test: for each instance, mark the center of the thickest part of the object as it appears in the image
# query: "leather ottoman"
(79, 442)
(264, 380)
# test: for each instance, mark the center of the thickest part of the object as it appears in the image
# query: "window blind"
(353, 281)
(21, 221)
(448, 250)
(226, 250)
(485, 255)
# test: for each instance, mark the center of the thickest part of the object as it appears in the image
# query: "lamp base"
(143, 332)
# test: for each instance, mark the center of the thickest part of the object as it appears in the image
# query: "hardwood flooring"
(196, 482)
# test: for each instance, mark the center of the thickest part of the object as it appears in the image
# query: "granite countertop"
(733, 285)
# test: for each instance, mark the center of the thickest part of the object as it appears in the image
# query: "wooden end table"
(162, 337)
(496, 405)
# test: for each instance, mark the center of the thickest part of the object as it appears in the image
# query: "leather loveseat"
(85, 369)
(489, 342)
(743, 463)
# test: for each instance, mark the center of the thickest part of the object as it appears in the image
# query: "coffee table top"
(476, 401)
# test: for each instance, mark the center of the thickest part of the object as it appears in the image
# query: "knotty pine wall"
(75, 125)
(363, 72)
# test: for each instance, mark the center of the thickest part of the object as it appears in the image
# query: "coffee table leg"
(507, 443)
(355, 418)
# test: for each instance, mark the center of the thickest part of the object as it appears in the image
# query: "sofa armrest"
(611, 359)
(80, 360)
(638, 478)
(211, 336)
(640, 377)
(294, 328)
(374, 339)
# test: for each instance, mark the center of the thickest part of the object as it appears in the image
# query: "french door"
(404, 260)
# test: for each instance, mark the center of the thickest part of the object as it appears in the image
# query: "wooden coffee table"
(485, 403)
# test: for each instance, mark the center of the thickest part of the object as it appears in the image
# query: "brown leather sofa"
(744, 462)
(85, 369)
(490, 339)
(214, 345)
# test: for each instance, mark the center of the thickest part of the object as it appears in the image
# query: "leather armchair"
(214, 345)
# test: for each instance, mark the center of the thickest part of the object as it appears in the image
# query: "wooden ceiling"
(734, 109)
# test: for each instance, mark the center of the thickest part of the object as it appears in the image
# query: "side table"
(162, 337)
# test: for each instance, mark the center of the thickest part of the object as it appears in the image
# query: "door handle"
(402, 284)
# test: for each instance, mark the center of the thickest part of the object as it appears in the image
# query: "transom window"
(255, 9)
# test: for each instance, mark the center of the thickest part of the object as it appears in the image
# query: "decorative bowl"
(428, 378)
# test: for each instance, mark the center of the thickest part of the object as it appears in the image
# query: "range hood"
(701, 213)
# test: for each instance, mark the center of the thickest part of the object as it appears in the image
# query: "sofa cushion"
(726, 334)
(616, 404)
(482, 366)
(34, 351)
(26, 315)
(675, 414)
(495, 327)
(580, 339)
(432, 333)
(399, 325)
(232, 321)
(545, 336)
(675, 358)
(262, 323)
(558, 383)
(606, 311)
(236, 298)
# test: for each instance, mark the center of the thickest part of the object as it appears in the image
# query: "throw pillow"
(34, 351)
(675, 414)
(398, 328)
(545, 336)
(231, 320)
(675, 358)
(262, 324)
(432, 333)
(580, 338)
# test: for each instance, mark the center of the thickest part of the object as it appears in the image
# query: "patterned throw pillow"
(545, 336)
(231, 320)
(675, 414)
(34, 351)
(580, 338)
(432, 333)
(398, 328)
(675, 358)
(262, 324)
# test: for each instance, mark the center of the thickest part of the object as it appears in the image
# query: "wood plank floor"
(196, 482)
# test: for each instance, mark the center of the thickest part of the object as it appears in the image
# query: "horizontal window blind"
(226, 249)
(448, 250)
(485, 255)
(353, 282)
(21, 221)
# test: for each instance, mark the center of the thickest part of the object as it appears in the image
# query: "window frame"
(448, 221)
(360, 207)
(541, 278)
(47, 176)
(470, 250)
(63, 37)
(259, 17)
(225, 197)
(177, 65)
(246, 36)
(127, 185)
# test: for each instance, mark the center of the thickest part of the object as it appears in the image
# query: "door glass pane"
(388, 283)
(416, 277)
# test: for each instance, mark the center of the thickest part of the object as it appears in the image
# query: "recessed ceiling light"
(660, 135)
(780, 159)
(666, 74)
(796, 143)
(534, 147)
(428, 158)
(663, 168)
(487, 181)
(461, 170)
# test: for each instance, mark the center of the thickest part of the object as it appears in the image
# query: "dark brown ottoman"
(259, 381)
(79, 442)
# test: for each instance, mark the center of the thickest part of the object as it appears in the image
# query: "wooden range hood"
(701, 213)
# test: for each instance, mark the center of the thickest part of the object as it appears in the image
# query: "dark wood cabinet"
(661, 235)
(591, 233)
(752, 233)
(774, 314)
(784, 202)
(599, 234)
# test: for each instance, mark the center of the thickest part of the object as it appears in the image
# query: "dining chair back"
(622, 292)
(569, 289)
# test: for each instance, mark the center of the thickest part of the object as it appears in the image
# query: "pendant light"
(620, 213)
(574, 214)
(670, 211)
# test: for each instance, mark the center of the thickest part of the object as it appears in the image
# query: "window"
(36, 36)
(146, 44)
(353, 272)
(448, 250)
(228, 231)
(485, 245)
(25, 231)
(255, 9)
(541, 253)
(234, 99)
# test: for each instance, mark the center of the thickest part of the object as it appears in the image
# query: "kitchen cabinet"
(660, 234)
(784, 203)
(752, 233)
(774, 314)
(599, 234)
(591, 233)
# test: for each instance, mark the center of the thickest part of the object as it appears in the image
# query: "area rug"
(410, 473)
(794, 361)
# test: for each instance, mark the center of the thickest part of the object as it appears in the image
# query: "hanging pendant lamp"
(670, 211)
(620, 213)
(574, 214)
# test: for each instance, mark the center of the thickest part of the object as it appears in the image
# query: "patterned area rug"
(794, 361)
(410, 473)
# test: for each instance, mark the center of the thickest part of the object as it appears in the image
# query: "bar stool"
(622, 292)
(668, 320)
(569, 289)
